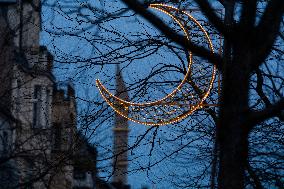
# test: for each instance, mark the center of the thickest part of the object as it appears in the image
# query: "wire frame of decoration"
(188, 96)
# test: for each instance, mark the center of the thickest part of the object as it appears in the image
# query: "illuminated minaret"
(120, 132)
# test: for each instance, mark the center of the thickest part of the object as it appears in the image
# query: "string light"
(162, 103)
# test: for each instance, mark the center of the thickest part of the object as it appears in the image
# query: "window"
(79, 174)
(47, 108)
(8, 1)
(72, 120)
(29, 187)
(57, 136)
(36, 106)
(70, 139)
(5, 142)
(18, 97)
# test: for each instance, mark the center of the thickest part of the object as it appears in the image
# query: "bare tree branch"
(275, 110)
(165, 29)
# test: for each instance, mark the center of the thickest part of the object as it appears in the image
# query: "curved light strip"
(161, 102)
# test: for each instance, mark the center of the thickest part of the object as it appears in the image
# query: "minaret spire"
(120, 132)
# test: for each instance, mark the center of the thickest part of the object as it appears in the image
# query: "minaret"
(120, 132)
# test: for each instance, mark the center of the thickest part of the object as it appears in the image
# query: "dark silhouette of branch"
(165, 29)
(274, 110)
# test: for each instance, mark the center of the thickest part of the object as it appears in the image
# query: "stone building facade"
(37, 120)
(40, 146)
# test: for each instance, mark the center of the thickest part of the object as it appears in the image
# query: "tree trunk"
(231, 129)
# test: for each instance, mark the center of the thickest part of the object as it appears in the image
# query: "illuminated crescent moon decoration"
(182, 101)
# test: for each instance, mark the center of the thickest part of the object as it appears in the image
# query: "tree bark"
(232, 130)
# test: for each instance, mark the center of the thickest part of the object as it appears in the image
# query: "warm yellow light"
(162, 103)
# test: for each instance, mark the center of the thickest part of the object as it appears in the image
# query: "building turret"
(24, 18)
